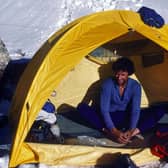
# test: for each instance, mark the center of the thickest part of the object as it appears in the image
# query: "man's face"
(121, 77)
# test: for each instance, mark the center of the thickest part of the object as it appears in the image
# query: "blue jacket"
(111, 101)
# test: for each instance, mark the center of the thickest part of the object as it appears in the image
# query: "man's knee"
(83, 107)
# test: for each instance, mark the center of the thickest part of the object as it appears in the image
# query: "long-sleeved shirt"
(111, 101)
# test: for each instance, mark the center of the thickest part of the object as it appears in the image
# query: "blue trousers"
(148, 117)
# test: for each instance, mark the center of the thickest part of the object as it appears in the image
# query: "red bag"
(160, 143)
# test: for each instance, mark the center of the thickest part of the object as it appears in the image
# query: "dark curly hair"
(123, 64)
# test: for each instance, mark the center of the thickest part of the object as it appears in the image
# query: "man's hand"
(131, 133)
(119, 136)
(115, 134)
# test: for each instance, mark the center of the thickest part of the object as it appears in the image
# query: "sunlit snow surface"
(25, 25)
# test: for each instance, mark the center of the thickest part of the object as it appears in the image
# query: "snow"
(26, 25)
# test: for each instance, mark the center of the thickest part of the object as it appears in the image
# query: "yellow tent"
(59, 55)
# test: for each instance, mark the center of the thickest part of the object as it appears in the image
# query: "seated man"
(120, 99)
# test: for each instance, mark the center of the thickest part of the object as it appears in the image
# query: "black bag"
(40, 131)
(124, 161)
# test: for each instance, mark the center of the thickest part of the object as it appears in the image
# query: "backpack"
(151, 17)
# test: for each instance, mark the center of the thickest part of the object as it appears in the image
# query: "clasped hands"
(120, 136)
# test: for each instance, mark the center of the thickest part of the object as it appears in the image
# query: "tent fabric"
(86, 156)
(74, 87)
(49, 66)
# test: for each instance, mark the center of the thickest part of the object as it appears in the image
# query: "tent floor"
(75, 131)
